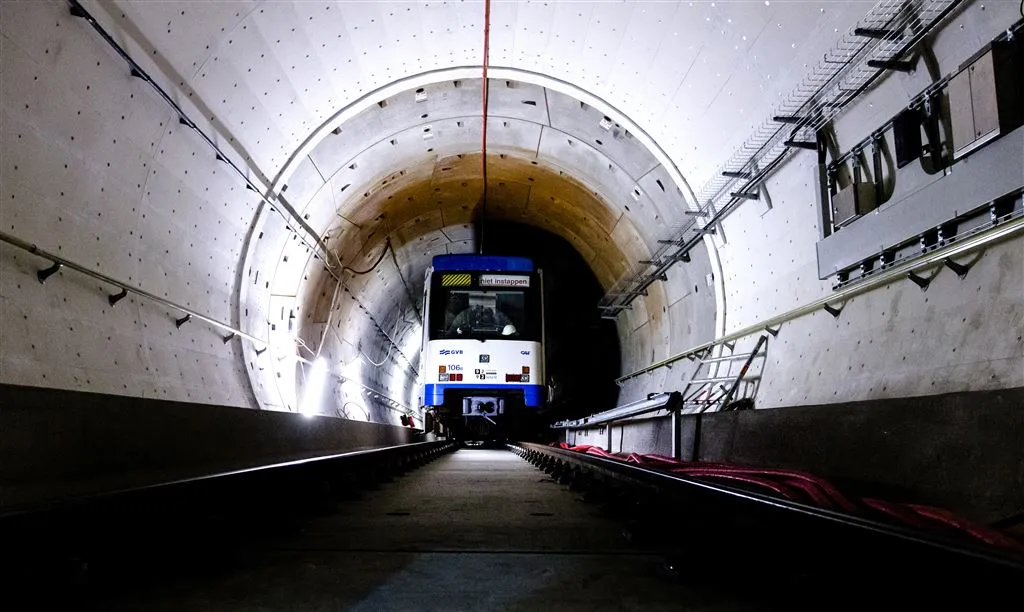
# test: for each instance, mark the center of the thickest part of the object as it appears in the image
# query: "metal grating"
(873, 47)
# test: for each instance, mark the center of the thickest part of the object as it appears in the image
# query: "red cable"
(821, 492)
(483, 146)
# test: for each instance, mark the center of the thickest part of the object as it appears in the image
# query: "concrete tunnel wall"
(96, 168)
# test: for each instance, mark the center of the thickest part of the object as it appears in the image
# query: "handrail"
(61, 261)
(964, 245)
(661, 401)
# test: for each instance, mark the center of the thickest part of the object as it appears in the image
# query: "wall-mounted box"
(906, 130)
(852, 202)
(986, 98)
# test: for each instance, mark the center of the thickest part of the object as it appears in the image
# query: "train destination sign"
(504, 280)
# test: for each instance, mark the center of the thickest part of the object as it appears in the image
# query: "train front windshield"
(484, 313)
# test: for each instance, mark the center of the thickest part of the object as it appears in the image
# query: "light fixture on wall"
(314, 388)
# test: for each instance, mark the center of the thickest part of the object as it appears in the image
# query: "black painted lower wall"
(55, 443)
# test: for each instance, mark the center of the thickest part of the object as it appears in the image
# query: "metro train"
(483, 343)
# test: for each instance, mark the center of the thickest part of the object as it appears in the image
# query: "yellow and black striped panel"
(456, 280)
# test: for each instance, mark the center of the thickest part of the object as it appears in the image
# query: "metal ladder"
(712, 389)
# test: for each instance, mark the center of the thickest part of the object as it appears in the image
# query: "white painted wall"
(96, 168)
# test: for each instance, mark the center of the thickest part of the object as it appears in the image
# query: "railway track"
(422, 527)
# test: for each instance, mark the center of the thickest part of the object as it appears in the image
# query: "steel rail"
(667, 481)
(970, 243)
(57, 259)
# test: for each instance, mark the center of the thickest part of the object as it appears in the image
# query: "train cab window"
(484, 313)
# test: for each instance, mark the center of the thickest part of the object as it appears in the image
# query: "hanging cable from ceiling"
(483, 147)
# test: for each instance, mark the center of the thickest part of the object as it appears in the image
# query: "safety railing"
(669, 402)
(943, 254)
(58, 262)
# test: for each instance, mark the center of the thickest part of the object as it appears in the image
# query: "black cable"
(387, 247)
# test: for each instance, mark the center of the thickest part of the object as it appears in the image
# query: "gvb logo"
(451, 351)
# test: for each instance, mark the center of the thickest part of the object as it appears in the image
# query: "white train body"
(483, 346)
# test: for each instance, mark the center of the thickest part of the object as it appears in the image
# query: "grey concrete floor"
(474, 530)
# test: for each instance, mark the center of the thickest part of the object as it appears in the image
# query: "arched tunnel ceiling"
(698, 74)
(407, 170)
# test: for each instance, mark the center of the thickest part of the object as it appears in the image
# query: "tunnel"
(547, 169)
(774, 234)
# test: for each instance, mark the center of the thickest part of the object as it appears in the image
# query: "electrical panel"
(986, 98)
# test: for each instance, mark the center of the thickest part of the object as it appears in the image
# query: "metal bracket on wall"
(42, 275)
(920, 281)
(876, 33)
(114, 298)
(840, 78)
(59, 262)
(832, 310)
(891, 64)
(961, 270)
(802, 144)
(185, 319)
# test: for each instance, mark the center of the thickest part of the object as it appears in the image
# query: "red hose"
(483, 144)
(800, 486)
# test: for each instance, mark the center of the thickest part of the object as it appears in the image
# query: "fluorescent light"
(314, 388)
